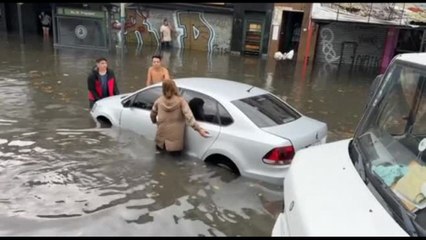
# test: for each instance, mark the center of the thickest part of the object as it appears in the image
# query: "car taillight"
(279, 156)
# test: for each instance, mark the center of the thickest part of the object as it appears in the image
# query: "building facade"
(289, 30)
(206, 28)
(220, 27)
(242, 28)
(251, 28)
(367, 34)
(360, 34)
(350, 43)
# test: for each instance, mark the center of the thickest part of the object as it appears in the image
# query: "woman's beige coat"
(171, 116)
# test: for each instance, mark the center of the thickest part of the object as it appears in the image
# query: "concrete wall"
(192, 30)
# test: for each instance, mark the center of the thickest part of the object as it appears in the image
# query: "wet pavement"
(60, 175)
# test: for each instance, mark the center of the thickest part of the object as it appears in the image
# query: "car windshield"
(393, 136)
(266, 110)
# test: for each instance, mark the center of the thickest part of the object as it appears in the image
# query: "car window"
(224, 116)
(266, 110)
(419, 128)
(146, 99)
(398, 103)
(203, 107)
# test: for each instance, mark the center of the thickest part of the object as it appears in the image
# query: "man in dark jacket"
(101, 82)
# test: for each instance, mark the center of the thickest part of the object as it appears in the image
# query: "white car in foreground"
(375, 183)
(252, 132)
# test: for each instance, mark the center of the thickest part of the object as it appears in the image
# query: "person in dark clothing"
(101, 82)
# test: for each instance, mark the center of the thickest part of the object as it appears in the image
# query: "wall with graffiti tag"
(190, 30)
(350, 44)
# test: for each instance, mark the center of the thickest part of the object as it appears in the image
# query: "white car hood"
(113, 99)
(329, 197)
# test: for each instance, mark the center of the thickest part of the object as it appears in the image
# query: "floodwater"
(61, 175)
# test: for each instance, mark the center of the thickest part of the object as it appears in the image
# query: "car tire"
(104, 122)
(223, 162)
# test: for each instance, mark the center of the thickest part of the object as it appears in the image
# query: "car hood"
(109, 107)
(327, 196)
(301, 132)
(112, 100)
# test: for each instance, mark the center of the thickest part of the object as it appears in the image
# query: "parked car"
(252, 132)
(373, 184)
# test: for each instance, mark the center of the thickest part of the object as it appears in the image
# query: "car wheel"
(223, 162)
(104, 122)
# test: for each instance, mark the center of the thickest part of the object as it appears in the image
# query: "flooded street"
(61, 175)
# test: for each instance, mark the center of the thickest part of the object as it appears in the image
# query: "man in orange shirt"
(157, 73)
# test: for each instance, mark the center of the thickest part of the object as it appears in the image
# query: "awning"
(399, 14)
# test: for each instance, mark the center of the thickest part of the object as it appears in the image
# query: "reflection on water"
(60, 175)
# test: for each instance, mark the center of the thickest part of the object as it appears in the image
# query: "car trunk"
(302, 132)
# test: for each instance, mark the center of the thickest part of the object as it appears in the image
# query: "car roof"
(417, 58)
(217, 88)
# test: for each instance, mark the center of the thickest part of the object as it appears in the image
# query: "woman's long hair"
(170, 89)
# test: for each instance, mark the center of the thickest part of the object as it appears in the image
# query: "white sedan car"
(252, 132)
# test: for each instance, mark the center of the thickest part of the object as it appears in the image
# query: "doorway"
(254, 23)
(291, 24)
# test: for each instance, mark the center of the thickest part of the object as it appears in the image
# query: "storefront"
(350, 43)
(289, 29)
(206, 27)
(368, 34)
(251, 27)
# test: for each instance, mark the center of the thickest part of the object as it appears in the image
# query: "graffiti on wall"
(193, 30)
(367, 60)
(367, 44)
(137, 28)
(327, 38)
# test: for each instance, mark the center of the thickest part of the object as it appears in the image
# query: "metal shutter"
(80, 32)
(370, 41)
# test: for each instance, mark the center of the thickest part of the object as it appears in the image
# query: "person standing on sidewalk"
(101, 82)
(157, 73)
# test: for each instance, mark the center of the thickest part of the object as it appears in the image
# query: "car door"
(205, 110)
(136, 113)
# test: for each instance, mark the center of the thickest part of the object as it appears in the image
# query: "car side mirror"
(126, 103)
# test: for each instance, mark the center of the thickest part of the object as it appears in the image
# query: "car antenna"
(248, 90)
